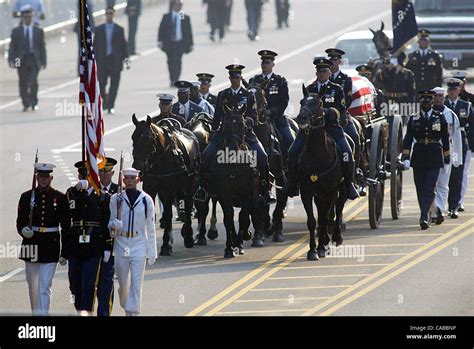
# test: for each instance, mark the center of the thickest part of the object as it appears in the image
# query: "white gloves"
(406, 164)
(107, 255)
(151, 261)
(62, 261)
(116, 224)
(27, 232)
(82, 184)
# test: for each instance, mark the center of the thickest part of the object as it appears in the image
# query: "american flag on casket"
(363, 97)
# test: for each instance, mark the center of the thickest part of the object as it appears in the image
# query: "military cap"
(426, 95)
(109, 164)
(424, 33)
(165, 98)
(235, 69)
(130, 172)
(205, 78)
(183, 86)
(439, 90)
(364, 69)
(322, 64)
(267, 54)
(453, 83)
(334, 53)
(44, 168)
(195, 84)
(459, 74)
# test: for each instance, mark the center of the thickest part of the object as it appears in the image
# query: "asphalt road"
(404, 271)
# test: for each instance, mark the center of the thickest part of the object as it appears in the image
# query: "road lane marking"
(337, 266)
(268, 289)
(302, 277)
(397, 272)
(11, 274)
(388, 268)
(294, 299)
(260, 311)
(395, 245)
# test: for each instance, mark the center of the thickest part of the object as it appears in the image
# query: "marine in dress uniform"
(455, 140)
(135, 240)
(105, 288)
(396, 82)
(276, 93)
(195, 97)
(41, 245)
(165, 105)
(332, 97)
(184, 106)
(234, 96)
(465, 113)
(428, 131)
(206, 79)
(425, 64)
(88, 241)
(465, 95)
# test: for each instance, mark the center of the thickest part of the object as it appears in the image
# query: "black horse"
(235, 183)
(272, 142)
(200, 126)
(383, 45)
(168, 161)
(320, 177)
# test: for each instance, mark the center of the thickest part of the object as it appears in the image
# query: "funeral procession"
(233, 158)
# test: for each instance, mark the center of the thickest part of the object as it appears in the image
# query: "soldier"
(455, 140)
(461, 75)
(332, 97)
(166, 101)
(463, 110)
(430, 152)
(135, 240)
(41, 249)
(105, 288)
(205, 80)
(276, 93)
(425, 64)
(184, 107)
(88, 241)
(234, 96)
(254, 14)
(196, 98)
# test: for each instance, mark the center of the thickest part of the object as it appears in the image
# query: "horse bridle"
(313, 117)
(147, 166)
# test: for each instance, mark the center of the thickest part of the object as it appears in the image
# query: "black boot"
(266, 192)
(348, 169)
(291, 187)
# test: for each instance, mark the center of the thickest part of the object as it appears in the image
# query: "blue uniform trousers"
(83, 278)
(105, 290)
(425, 182)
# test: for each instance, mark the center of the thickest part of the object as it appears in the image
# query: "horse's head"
(311, 114)
(144, 143)
(234, 125)
(258, 91)
(381, 41)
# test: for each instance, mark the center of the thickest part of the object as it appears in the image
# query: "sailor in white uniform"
(202, 102)
(135, 240)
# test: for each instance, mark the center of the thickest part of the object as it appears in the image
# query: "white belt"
(45, 230)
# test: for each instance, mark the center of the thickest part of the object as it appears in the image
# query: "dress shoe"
(34, 108)
(461, 208)
(439, 217)
(454, 214)
(424, 225)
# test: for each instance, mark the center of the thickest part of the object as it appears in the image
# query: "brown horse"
(168, 162)
(320, 177)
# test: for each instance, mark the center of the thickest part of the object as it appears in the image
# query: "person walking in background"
(282, 12)
(111, 51)
(27, 53)
(254, 12)
(133, 11)
(216, 12)
(175, 38)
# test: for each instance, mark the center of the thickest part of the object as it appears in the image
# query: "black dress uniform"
(430, 152)
(86, 242)
(397, 84)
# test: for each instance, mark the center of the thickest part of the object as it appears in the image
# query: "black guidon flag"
(405, 28)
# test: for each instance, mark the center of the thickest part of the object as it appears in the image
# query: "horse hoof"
(312, 255)
(166, 250)
(229, 253)
(188, 241)
(200, 242)
(246, 235)
(212, 234)
(337, 239)
(322, 252)
(278, 237)
(257, 242)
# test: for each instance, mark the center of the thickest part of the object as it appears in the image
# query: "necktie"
(173, 34)
(105, 189)
(27, 38)
(265, 78)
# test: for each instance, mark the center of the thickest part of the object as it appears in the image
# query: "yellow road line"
(294, 299)
(404, 268)
(388, 267)
(338, 266)
(394, 245)
(298, 288)
(316, 276)
(241, 312)
(395, 235)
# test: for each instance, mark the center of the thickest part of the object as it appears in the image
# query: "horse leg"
(277, 224)
(166, 222)
(229, 227)
(212, 232)
(324, 206)
(202, 211)
(187, 229)
(307, 199)
(244, 224)
(341, 201)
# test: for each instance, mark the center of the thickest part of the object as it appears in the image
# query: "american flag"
(362, 97)
(89, 97)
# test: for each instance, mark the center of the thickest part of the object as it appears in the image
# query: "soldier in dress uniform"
(332, 98)
(425, 64)
(41, 246)
(276, 93)
(396, 82)
(184, 107)
(206, 79)
(195, 97)
(455, 140)
(166, 101)
(105, 288)
(88, 241)
(234, 96)
(135, 240)
(463, 110)
(429, 131)
(465, 95)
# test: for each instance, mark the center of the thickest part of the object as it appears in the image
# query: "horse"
(269, 136)
(383, 46)
(320, 176)
(200, 126)
(168, 161)
(235, 181)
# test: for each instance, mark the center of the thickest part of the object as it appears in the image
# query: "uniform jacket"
(345, 81)
(193, 110)
(396, 81)
(141, 240)
(226, 97)
(119, 47)
(276, 93)
(332, 96)
(211, 99)
(465, 113)
(454, 131)
(206, 106)
(50, 210)
(19, 45)
(431, 140)
(428, 70)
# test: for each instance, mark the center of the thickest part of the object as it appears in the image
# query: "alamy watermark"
(240, 156)
(9, 250)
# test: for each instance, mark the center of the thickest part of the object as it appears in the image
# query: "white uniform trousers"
(442, 190)
(130, 272)
(39, 277)
(467, 161)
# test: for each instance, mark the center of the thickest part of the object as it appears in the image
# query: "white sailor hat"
(26, 8)
(195, 83)
(459, 74)
(439, 90)
(130, 172)
(44, 168)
